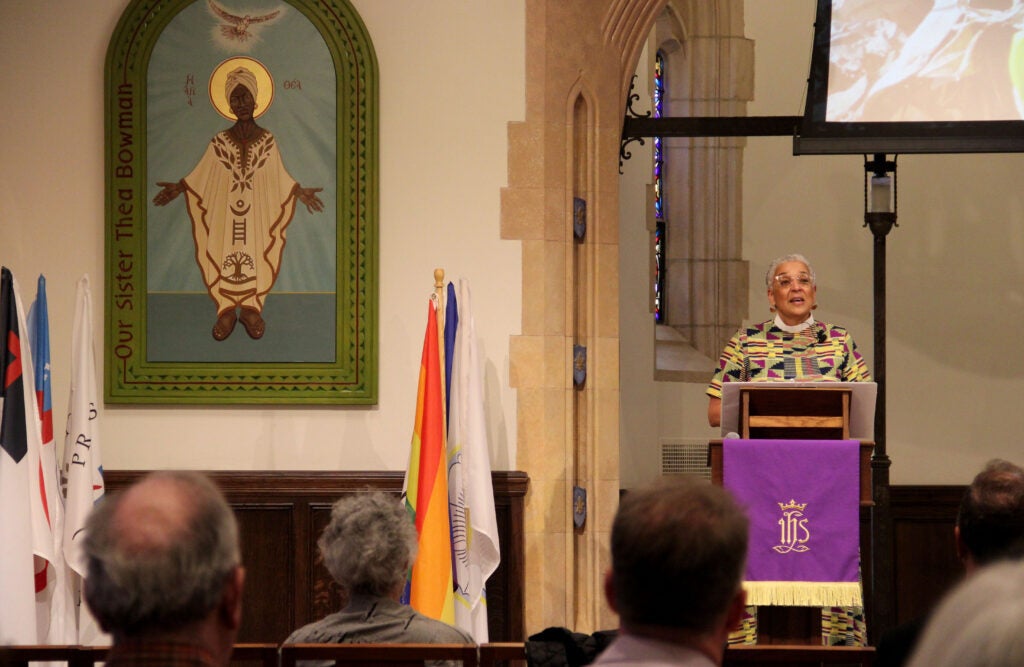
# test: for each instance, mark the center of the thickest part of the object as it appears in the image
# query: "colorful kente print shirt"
(764, 352)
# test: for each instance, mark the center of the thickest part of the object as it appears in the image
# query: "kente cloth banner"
(425, 491)
(802, 497)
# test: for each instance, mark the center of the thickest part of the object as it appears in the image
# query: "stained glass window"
(659, 194)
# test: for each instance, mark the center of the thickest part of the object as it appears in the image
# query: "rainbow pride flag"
(425, 492)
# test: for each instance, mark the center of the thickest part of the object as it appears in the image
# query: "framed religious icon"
(241, 204)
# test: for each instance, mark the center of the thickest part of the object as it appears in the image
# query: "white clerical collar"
(794, 328)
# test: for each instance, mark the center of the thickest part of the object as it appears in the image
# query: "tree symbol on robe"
(237, 260)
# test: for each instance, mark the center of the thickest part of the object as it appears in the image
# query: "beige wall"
(955, 277)
(452, 78)
(955, 272)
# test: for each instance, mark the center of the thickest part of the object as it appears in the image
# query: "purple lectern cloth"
(815, 537)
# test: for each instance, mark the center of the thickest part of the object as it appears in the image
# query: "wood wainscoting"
(925, 565)
(281, 514)
(924, 561)
(280, 517)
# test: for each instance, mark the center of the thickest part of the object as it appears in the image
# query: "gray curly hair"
(369, 544)
(793, 257)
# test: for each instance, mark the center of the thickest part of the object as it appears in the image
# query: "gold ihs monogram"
(793, 531)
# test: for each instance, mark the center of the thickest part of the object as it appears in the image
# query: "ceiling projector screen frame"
(915, 76)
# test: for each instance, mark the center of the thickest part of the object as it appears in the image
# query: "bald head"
(159, 554)
(152, 515)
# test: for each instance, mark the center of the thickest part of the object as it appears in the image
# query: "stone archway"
(576, 50)
(581, 55)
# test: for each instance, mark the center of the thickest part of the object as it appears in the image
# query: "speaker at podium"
(798, 412)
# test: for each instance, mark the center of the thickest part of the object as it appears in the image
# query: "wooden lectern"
(821, 413)
(770, 410)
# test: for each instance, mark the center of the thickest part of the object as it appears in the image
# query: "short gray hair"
(369, 544)
(793, 257)
(678, 551)
(160, 579)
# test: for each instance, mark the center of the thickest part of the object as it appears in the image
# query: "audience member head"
(163, 561)
(979, 624)
(990, 523)
(369, 544)
(678, 551)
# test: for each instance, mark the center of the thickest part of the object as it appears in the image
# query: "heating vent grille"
(685, 456)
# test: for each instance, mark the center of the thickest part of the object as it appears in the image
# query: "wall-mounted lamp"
(880, 194)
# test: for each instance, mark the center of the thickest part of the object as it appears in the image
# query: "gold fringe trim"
(804, 593)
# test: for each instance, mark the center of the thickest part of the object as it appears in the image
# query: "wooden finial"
(438, 278)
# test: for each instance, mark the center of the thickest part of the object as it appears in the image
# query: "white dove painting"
(238, 30)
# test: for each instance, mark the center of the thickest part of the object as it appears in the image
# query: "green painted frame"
(352, 377)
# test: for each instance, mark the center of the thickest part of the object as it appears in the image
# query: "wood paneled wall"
(281, 514)
(280, 517)
(925, 565)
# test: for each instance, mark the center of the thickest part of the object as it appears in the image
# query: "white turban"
(240, 76)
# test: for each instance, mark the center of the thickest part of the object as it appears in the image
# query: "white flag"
(470, 495)
(19, 459)
(47, 505)
(82, 469)
(63, 612)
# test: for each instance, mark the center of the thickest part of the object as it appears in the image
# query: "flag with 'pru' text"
(82, 469)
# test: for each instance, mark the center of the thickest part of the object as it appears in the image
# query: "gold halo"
(264, 85)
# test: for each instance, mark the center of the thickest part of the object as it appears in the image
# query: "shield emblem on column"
(579, 506)
(579, 365)
(579, 218)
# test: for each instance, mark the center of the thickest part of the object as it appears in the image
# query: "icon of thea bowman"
(240, 200)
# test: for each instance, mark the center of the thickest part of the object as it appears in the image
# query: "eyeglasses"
(786, 281)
